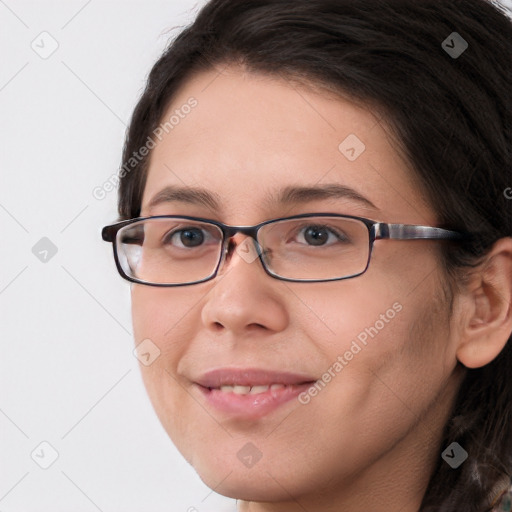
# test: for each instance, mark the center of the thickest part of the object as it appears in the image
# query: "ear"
(487, 303)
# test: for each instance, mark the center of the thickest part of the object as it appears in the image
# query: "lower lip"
(252, 406)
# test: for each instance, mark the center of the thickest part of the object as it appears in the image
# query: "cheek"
(162, 314)
(374, 392)
(350, 310)
(386, 311)
(387, 352)
(163, 317)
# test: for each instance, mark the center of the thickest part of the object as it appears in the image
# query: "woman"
(346, 346)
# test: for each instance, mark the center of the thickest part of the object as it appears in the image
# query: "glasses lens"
(169, 251)
(315, 248)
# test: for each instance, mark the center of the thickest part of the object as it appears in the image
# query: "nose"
(244, 297)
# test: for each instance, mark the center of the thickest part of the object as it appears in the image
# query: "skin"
(370, 439)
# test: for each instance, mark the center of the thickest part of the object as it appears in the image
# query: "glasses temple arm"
(412, 232)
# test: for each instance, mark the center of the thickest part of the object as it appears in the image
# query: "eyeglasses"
(171, 250)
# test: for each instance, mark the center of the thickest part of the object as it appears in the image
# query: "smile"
(249, 390)
(250, 393)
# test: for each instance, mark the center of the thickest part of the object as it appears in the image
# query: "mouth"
(250, 393)
(254, 389)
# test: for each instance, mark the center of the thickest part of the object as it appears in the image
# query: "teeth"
(258, 389)
(241, 390)
(250, 390)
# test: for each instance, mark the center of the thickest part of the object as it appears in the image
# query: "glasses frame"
(376, 231)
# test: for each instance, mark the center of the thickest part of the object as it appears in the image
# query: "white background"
(67, 372)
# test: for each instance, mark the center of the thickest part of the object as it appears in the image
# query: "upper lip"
(249, 377)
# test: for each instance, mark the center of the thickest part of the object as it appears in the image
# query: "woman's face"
(383, 338)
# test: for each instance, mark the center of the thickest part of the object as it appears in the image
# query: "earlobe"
(487, 324)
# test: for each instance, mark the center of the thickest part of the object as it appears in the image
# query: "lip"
(250, 406)
(249, 377)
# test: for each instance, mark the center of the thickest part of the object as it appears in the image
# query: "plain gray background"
(70, 76)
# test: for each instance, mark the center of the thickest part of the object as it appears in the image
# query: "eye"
(320, 235)
(188, 237)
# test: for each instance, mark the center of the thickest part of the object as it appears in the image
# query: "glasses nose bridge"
(231, 231)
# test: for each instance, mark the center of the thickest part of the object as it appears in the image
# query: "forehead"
(249, 135)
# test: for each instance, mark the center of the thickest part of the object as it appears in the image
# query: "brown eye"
(316, 235)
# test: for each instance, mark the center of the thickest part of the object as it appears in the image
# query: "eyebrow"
(189, 195)
(287, 196)
(293, 195)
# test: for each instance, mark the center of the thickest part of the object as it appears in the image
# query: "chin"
(244, 484)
